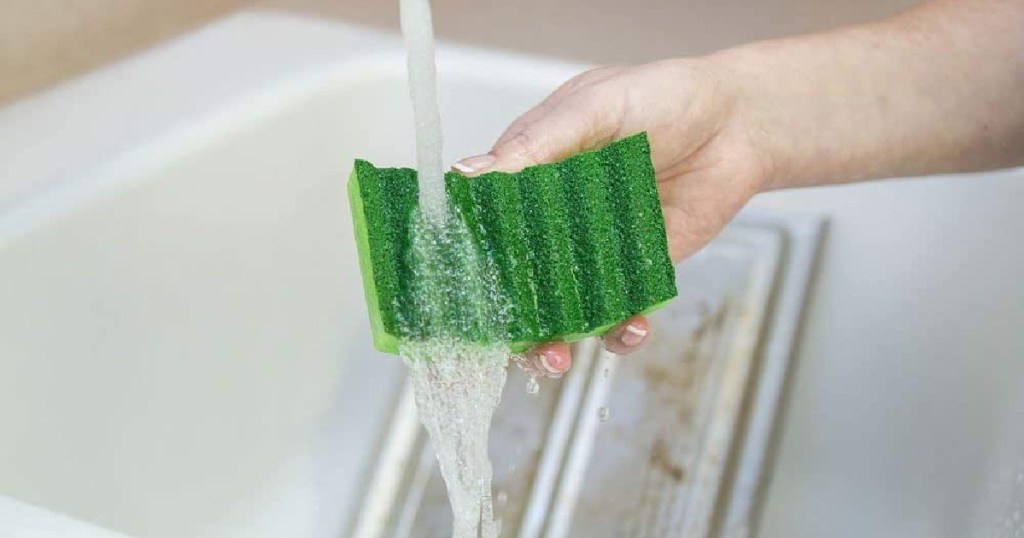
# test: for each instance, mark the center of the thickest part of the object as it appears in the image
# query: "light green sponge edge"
(388, 343)
(382, 341)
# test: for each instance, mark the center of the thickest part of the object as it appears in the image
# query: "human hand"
(706, 161)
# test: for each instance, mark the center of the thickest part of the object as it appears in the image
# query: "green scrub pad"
(578, 245)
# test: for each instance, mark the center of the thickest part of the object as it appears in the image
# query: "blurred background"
(45, 41)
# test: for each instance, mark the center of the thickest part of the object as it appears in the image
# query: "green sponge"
(578, 245)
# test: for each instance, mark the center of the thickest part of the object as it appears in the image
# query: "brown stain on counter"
(662, 460)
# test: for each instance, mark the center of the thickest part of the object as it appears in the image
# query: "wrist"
(754, 113)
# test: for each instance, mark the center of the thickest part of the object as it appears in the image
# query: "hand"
(933, 90)
(705, 158)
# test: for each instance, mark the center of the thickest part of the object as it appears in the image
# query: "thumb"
(543, 135)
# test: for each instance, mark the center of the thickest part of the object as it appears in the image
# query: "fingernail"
(632, 336)
(551, 362)
(472, 165)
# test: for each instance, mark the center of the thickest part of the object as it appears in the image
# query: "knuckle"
(586, 79)
(524, 146)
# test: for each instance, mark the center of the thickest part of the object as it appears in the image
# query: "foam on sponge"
(578, 245)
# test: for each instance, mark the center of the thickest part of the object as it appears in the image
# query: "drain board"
(670, 458)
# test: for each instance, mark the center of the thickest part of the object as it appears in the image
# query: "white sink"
(20, 520)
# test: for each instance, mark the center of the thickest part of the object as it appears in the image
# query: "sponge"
(578, 245)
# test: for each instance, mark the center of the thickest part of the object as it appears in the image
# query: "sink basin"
(184, 347)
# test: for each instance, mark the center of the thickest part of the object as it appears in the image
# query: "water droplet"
(502, 499)
(532, 386)
(603, 413)
(606, 372)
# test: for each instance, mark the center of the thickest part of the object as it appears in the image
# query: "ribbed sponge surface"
(578, 245)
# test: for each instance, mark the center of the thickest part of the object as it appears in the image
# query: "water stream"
(457, 384)
(418, 29)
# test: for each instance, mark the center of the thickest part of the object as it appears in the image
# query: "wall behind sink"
(593, 30)
(43, 42)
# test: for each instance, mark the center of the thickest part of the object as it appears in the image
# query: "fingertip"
(628, 336)
(555, 357)
(462, 169)
(476, 165)
(520, 149)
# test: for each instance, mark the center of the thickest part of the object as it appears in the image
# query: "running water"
(418, 29)
(457, 384)
(457, 387)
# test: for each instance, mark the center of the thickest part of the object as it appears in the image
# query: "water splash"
(456, 360)
(457, 387)
(454, 291)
